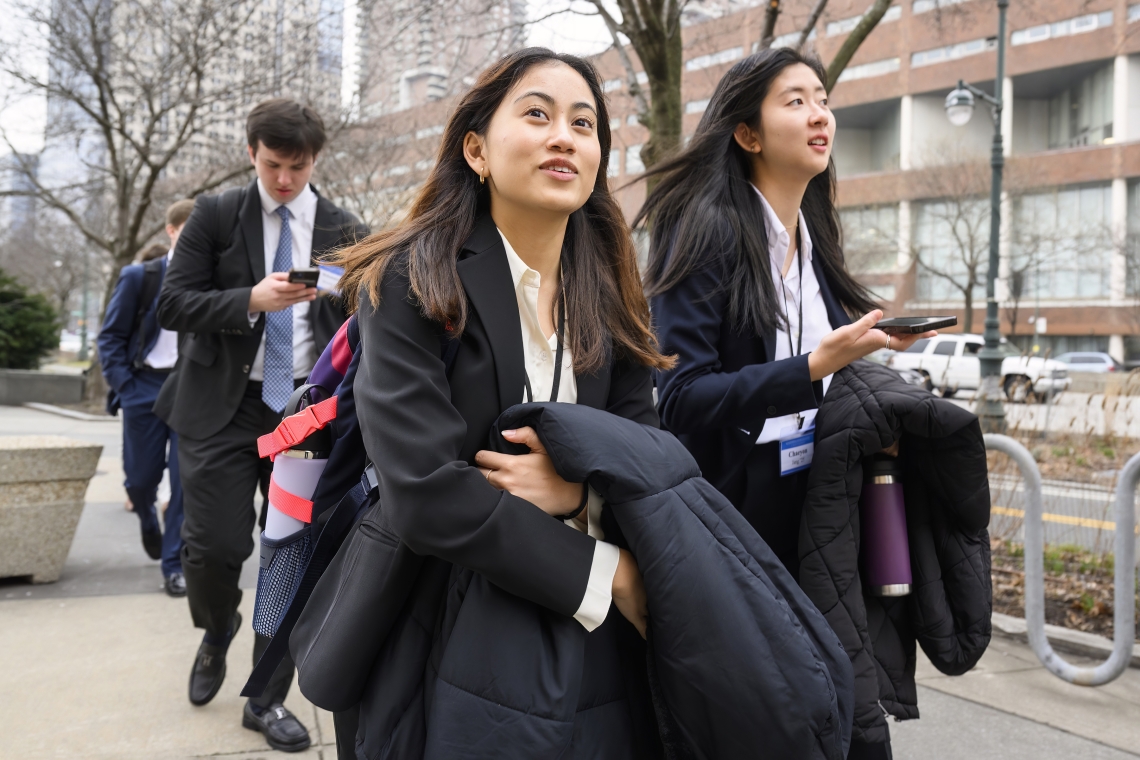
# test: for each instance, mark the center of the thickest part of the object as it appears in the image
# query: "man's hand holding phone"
(275, 293)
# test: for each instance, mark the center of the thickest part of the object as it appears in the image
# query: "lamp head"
(959, 106)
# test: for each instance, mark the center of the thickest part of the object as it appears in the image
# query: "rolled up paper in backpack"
(299, 449)
(291, 492)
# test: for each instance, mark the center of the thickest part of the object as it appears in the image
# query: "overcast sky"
(23, 120)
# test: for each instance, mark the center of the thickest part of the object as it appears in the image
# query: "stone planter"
(43, 479)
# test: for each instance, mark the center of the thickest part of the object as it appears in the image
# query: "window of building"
(429, 131)
(714, 59)
(785, 40)
(633, 163)
(870, 238)
(1062, 243)
(1078, 25)
(1082, 114)
(845, 25)
(631, 120)
(696, 106)
(613, 167)
(1133, 13)
(1132, 241)
(951, 239)
(873, 69)
(924, 6)
(611, 84)
(615, 122)
(951, 52)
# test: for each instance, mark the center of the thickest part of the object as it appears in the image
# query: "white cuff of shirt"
(253, 317)
(599, 588)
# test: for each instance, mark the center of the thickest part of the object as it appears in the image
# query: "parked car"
(1090, 361)
(950, 363)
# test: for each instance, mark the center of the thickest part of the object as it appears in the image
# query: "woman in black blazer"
(748, 288)
(516, 252)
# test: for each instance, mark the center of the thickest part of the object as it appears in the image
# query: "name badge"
(797, 448)
(328, 278)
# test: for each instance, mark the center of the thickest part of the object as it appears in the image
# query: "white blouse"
(815, 323)
(539, 352)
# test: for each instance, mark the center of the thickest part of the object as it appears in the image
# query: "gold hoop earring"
(482, 179)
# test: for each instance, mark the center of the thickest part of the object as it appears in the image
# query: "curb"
(59, 410)
(1062, 639)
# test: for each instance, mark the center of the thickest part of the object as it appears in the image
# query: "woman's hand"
(628, 592)
(530, 476)
(845, 344)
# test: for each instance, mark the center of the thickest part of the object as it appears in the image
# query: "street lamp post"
(959, 109)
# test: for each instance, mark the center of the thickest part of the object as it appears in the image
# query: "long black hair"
(704, 210)
(605, 305)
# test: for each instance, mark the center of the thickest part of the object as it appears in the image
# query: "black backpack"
(290, 568)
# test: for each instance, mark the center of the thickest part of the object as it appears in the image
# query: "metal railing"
(1125, 567)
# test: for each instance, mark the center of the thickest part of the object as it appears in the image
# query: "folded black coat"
(946, 489)
(746, 664)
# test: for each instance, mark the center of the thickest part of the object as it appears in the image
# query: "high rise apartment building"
(913, 190)
(415, 52)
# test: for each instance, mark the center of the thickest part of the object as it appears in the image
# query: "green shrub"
(29, 327)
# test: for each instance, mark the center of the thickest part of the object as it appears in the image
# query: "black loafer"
(152, 544)
(175, 585)
(209, 669)
(282, 730)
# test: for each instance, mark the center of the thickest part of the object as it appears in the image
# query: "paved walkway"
(95, 666)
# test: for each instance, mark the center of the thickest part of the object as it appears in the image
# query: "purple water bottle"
(882, 517)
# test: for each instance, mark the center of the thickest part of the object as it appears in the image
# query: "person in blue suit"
(137, 355)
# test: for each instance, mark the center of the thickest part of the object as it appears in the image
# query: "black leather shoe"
(152, 544)
(281, 728)
(209, 669)
(175, 585)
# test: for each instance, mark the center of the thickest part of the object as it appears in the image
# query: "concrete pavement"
(95, 666)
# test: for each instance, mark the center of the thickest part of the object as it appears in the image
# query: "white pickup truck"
(950, 363)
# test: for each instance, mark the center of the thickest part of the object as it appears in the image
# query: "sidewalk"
(95, 666)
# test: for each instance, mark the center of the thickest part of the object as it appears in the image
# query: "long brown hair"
(605, 306)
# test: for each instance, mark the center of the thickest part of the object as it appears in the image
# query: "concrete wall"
(19, 386)
(940, 142)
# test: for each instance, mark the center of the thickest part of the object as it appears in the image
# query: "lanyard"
(557, 361)
(799, 347)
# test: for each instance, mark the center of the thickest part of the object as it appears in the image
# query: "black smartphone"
(306, 276)
(911, 325)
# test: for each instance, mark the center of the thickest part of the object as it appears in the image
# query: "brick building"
(913, 190)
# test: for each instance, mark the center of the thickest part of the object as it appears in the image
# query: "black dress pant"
(220, 476)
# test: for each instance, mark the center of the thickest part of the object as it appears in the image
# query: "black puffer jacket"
(867, 408)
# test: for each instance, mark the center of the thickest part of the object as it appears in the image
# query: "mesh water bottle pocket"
(283, 562)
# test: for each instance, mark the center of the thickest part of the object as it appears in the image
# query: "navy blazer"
(118, 342)
(725, 385)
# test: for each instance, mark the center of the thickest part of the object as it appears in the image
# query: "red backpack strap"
(296, 428)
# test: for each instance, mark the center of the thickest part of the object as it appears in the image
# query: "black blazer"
(725, 384)
(422, 430)
(205, 297)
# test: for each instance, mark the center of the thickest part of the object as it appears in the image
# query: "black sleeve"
(438, 504)
(698, 394)
(189, 301)
(631, 393)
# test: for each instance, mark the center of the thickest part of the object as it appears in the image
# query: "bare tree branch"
(813, 19)
(768, 32)
(846, 51)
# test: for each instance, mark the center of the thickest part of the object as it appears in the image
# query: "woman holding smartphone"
(748, 287)
(513, 278)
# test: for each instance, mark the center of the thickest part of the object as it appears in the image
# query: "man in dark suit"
(137, 355)
(247, 337)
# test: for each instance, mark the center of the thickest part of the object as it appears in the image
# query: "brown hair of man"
(152, 251)
(179, 212)
(285, 126)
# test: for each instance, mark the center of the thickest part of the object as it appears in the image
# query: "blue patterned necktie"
(277, 377)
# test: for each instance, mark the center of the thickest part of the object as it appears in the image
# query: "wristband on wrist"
(581, 506)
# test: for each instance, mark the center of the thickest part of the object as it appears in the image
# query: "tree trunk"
(768, 32)
(661, 57)
(968, 317)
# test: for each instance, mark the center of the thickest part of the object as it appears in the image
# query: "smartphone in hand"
(306, 276)
(913, 325)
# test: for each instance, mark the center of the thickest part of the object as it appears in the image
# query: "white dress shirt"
(789, 294)
(164, 354)
(539, 353)
(302, 219)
